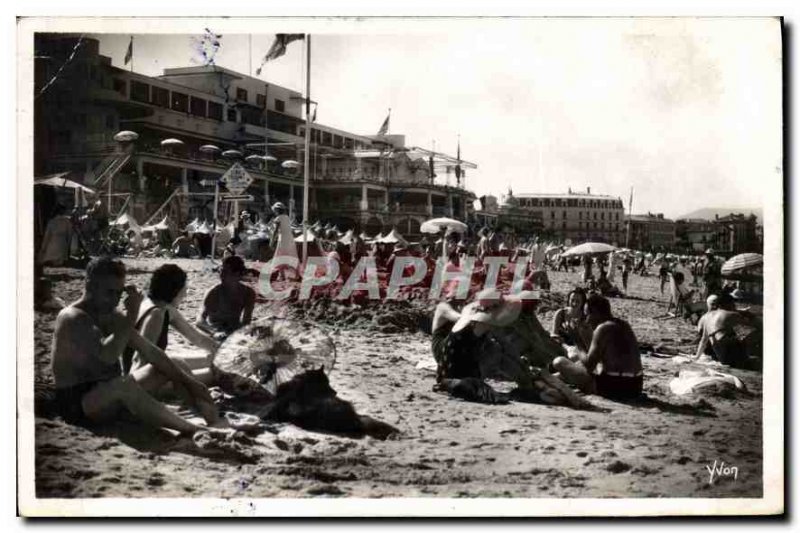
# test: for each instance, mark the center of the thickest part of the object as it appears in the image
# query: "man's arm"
(203, 315)
(703, 344)
(597, 347)
(249, 304)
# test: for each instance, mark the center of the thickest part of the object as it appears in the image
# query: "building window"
(198, 107)
(552, 214)
(337, 141)
(241, 94)
(261, 100)
(563, 214)
(180, 102)
(215, 110)
(252, 116)
(280, 106)
(602, 216)
(580, 215)
(121, 86)
(160, 97)
(595, 217)
(563, 225)
(140, 91)
(231, 114)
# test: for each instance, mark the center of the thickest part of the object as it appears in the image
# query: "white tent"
(127, 221)
(163, 225)
(347, 238)
(310, 237)
(393, 237)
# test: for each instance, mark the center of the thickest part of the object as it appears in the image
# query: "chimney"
(588, 190)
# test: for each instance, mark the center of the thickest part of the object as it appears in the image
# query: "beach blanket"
(698, 381)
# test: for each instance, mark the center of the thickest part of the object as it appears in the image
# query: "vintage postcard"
(400, 266)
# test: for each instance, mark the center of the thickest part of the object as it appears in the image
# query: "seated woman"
(159, 311)
(569, 323)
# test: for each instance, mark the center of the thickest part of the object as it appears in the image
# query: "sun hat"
(491, 308)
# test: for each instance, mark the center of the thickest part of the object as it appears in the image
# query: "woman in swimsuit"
(569, 323)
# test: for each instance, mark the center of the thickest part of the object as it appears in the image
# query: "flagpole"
(630, 213)
(131, 53)
(307, 142)
(266, 142)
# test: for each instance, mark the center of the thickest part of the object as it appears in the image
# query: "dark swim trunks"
(618, 387)
(68, 401)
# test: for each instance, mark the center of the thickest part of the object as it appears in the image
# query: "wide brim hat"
(502, 314)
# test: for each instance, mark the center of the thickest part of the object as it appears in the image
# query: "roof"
(582, 196)
(648, 218)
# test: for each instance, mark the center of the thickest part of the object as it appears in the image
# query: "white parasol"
(589, 248)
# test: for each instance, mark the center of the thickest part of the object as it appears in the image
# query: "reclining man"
(613, 366)
(89, 338)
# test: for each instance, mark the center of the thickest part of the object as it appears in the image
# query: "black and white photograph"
(406, 266)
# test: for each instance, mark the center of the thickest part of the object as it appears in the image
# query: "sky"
(685, 111)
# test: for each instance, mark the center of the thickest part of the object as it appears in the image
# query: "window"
(198, 107)
(558, 202)
(617, 216)
(180, 102)
(563, 214)
(337, 141)
(552, 214)
(580, 215)
(602, 216)
(160, 97)
(595, 217)
(261, 100)
(241, 94)
(563, 225)
(326, 137)
(215, 110)
(250, 115)
(231, 115)
(280, 106)
(121, 86)
(140, 91)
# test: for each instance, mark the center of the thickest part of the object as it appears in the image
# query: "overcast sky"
(685, 111)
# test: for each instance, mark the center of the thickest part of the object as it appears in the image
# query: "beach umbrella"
(269, 352)
(126, 136)
(289, 163)
(259, 236)
(193, 225)
(232, 153)
(364, 237)
(435, 225)
(254, 158)
(60, 180)
(209, 148)
(589, 248)
(163, 225)
(270, 158)
(171, 142)
(741, 262)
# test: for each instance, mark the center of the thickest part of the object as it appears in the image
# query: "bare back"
(617, 347)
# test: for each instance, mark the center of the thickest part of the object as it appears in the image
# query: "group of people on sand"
(104, 360)
(603, 356)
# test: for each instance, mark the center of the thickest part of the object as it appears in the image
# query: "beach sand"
(446, 448)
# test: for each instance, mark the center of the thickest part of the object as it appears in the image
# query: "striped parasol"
(741, 262)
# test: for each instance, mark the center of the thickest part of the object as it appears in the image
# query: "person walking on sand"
(89, 338)
(613, 366)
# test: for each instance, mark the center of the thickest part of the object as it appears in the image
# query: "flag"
(129, 53)
(278, 47)
(314, 116)
(430, 164)
(385, 127)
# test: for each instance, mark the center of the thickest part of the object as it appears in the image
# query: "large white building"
(578, 217)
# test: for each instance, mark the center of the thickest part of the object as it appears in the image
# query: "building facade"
(650, 232)
(356, 181)
(731, 234)
(574, 217)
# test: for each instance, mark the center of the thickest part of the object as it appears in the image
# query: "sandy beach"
(446, 447)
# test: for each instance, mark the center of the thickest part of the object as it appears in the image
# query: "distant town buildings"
(572, 216)
(650, 232)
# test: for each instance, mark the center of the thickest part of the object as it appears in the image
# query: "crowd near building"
(211, 117)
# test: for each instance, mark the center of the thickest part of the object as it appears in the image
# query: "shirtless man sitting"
(228, 305)
(613, 366)
(89, 338)
(716, 329)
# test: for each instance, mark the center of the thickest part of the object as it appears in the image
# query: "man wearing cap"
(613, 366)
